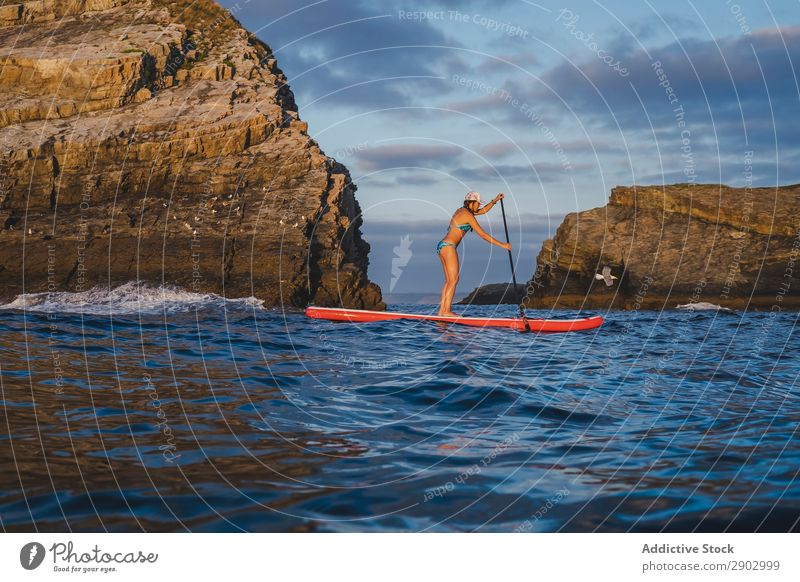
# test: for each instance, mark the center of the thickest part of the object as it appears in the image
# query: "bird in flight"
(606, 276)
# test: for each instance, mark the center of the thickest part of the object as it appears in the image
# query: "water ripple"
(165, 412)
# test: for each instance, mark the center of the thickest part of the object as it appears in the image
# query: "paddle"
(511, 262)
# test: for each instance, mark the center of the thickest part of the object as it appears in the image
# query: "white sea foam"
(704, 306)
(130, 298)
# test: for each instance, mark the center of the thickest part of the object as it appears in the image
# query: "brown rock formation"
(678, 244)
(158, 141)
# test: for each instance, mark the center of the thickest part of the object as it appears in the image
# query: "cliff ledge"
(673, 245)
(158, 141)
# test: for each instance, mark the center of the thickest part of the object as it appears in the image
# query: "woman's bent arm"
(490, 205)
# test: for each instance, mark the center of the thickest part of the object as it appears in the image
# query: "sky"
(551, 103)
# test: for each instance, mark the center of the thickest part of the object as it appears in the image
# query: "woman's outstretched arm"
(486, 236)
(490, 205)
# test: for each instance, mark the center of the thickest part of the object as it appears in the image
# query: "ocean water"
(161, 410)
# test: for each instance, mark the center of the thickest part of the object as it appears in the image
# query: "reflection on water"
(228, 417)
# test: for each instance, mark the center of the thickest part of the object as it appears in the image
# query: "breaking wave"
(704, 306)
(127, 299)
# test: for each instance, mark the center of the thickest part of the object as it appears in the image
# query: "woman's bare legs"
(449, 258)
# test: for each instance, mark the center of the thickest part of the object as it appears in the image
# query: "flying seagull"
(606, 276)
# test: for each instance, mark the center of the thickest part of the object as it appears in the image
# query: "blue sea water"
(161, 410)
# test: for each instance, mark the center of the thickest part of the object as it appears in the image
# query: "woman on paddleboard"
(461, 223)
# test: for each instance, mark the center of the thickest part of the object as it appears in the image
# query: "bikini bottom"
(443, 244)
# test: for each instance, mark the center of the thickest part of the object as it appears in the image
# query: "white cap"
(472, 196)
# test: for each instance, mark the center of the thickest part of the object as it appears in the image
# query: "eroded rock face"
(158, 141)
(671, 245)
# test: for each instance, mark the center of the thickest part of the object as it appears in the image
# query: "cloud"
(719, 97)
(357, 53)
(544, 172)
(489, 99)
(499, 150)
(326, 47)
(738, 93)
(502, 63)
(407, 156)
(395, 183)
(735, 91)
(652, 28)
(723, 76)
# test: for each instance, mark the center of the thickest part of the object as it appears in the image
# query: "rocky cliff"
(158, 141)
(677, 244)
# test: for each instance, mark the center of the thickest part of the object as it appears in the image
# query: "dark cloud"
(652, 28)
(736, 93)
(334, 47)
(408, 156)
(499, 150)
(357, 53)
(411, 178)
(724, 79)
(419, 180)
(375, 181)
(544, 172)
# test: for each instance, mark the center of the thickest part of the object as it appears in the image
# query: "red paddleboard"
(362, 316)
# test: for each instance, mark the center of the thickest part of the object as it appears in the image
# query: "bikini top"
(464, 227)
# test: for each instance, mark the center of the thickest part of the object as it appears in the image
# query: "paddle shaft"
(511, 262)
(508, 240)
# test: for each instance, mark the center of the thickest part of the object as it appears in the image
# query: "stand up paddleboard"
(546, 325)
